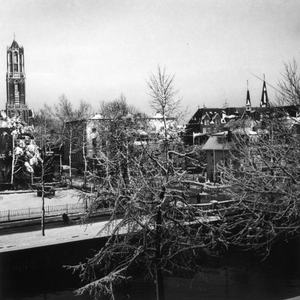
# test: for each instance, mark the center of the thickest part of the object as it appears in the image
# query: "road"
(57, 222)
(31, 237)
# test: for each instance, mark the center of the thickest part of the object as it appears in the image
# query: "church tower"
(264, 102)
(15, 83)
(248, 101)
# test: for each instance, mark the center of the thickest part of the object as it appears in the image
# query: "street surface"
(57, 232)
(16, 239)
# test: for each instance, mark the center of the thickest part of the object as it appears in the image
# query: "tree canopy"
(264, 174)
(154, 228)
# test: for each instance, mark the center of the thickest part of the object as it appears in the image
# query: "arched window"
(15, 57)
(21, 63)
(15, 61)
(16, 88)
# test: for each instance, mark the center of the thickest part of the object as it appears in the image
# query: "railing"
(27, 213)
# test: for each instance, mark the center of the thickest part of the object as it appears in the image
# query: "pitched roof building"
(207, 121)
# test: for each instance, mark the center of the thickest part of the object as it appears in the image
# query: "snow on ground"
(27, 239)
(65, 234)
(31, 200)
(52, 236)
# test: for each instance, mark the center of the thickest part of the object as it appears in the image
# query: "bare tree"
(153, 227)
(84, 111)
(117, 108)
(51, 133)
(73, 124)
(264, 178)
(48, 137)
(162, 93)
(289, 85)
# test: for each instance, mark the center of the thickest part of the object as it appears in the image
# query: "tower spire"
(248, 101)
(264, 102)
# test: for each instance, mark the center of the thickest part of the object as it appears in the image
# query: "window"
(15, 58)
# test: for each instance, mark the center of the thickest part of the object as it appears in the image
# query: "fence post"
(29, 212)
(67, 208)
(8, 218)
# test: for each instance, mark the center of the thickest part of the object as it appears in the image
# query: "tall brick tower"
(15, 83)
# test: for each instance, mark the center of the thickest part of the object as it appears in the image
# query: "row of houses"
(209, 128)
(213, 128)
(144, 129)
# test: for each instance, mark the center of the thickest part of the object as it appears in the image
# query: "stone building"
(16, 118)
(16, 105)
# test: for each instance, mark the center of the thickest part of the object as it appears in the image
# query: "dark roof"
(255, 113)
(14, 44)
(212, 112)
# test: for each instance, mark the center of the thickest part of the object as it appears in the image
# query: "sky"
(96, 50)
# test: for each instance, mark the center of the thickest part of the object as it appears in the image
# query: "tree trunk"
(43, 201)
(13, 161)
(160, 293)
(70, 157)
(85, 161)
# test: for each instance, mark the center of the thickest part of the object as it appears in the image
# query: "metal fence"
(27, 213)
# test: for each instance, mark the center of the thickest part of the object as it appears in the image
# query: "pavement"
(65, 234)
(26, 237)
